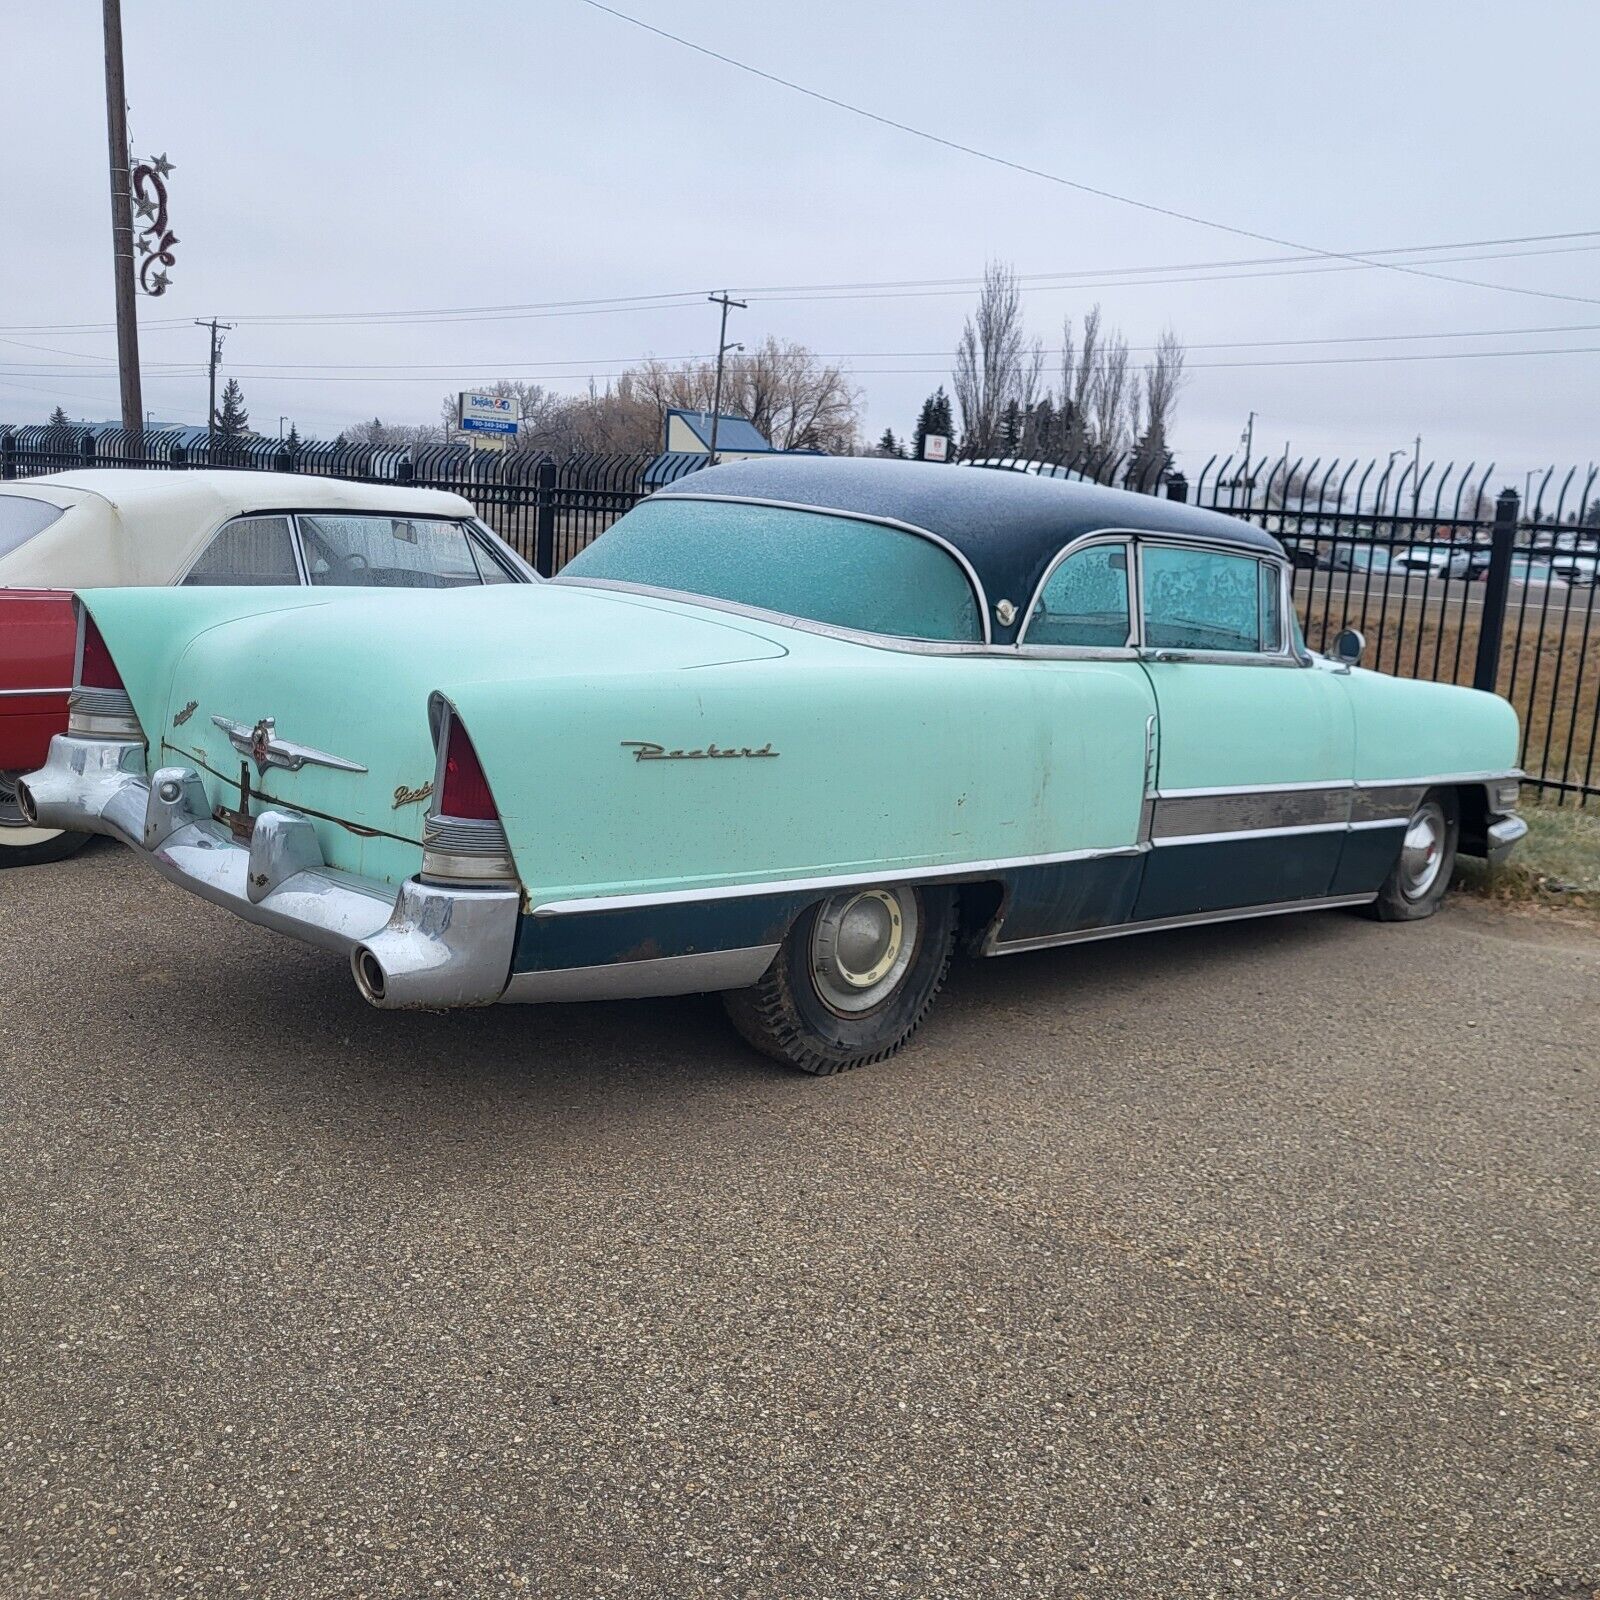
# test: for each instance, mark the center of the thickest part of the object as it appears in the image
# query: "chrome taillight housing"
(99, 707)
(463, 840)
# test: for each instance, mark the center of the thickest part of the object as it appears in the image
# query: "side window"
(1085, 601)
(253, 550)
(1206, 600)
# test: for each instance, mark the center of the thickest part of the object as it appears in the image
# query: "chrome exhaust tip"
(30, 812)
(371, 979)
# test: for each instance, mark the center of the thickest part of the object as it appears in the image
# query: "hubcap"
(861, 946)
(1422, 854)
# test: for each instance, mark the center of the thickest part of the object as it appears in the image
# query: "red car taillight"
(99, 706)
(463, 841)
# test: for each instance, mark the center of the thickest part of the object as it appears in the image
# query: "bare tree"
(793, 399)
(989, 360)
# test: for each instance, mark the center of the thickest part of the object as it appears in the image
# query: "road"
(1263, 1260)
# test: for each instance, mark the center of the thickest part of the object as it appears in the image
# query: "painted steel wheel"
(22, 846)
(853, 979)
(1420, 877)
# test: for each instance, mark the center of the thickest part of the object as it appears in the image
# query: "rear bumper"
(420, 945)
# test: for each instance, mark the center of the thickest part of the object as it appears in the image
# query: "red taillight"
(99, 671)
(466, 790)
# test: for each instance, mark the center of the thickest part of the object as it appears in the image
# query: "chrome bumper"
(419, 946)
(1502, 835)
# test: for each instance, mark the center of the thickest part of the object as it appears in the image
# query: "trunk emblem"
(262, 744)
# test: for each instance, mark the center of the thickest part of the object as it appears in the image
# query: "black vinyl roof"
(1008, 525)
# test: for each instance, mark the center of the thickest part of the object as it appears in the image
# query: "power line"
(1081, 277)
(1067, 183)
(252, 376)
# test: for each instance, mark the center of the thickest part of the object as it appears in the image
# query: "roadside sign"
(935, 447)
(486, 413)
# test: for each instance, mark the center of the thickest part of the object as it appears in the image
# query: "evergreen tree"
(888, 445)
(1011, 428)
(1042, 440)
(292, 443)
(934, 417)
(233, 421)
(59, 419)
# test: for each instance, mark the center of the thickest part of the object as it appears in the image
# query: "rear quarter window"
(810, 564)
(21, 518)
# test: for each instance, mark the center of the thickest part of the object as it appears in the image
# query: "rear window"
(807, 564)
(22, 518)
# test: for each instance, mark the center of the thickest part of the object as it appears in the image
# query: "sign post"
(935, 447)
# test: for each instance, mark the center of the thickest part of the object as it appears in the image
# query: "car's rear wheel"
(852, 980)
(22, 846)
(1421, 875)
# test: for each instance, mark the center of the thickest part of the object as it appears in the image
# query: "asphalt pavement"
(1259, 1260)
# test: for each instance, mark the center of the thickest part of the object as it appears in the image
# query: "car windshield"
(393, 552)
(21, 518)
(823, 567)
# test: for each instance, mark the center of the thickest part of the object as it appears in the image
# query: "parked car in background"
(1424, 560)
(1358, 558)
(95, 528)
(1578, 571)
(793, 729)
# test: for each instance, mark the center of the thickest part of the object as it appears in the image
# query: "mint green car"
(794, 730)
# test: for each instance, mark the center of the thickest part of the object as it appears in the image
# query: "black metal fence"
(1449, 579)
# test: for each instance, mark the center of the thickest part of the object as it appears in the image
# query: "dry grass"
(1549, 661)
(1557, 864)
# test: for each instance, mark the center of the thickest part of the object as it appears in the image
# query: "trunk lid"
(346, 680)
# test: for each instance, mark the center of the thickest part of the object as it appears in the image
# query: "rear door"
(1255, 750)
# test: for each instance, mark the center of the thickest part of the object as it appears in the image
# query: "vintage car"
(792, 729)
(76, 530)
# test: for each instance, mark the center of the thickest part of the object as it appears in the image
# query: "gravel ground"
(1263, 1260)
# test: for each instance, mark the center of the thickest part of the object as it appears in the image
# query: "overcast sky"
(344, 157)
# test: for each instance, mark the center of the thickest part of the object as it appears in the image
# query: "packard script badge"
(643, 750)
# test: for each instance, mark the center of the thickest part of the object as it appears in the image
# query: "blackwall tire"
(1420, 877)
(842, 992)
(34, 847)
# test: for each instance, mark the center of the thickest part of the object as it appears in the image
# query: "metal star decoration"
(156, 239)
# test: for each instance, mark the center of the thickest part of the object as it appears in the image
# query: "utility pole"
(1416, 482)
(1249, 450)
(216, 361)
(723, 347)
(122, 222)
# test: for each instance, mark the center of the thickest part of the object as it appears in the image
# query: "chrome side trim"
(1237, 813)
(1159, 924)
(701, 973)
(23, 694)
(857, 516)
(888, 872)
(1380, 822)
(1347, 783)
(1235, 835)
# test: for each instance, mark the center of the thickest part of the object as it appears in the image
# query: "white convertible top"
(128, 527)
